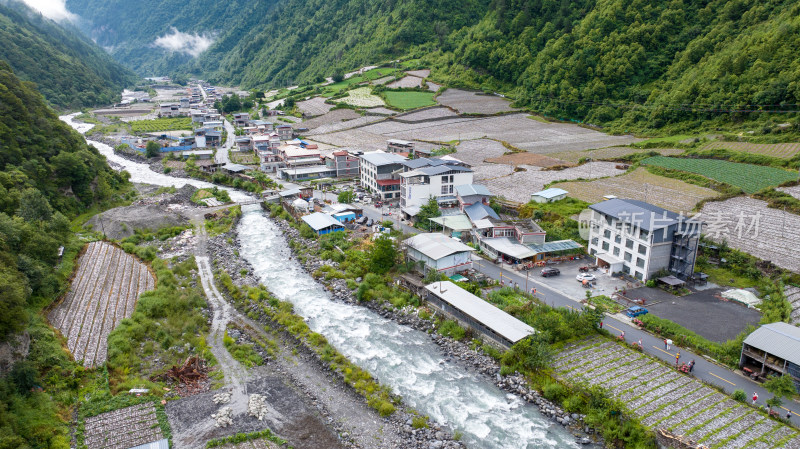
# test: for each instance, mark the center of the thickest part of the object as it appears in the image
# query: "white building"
(380, 173)
(640, 239)
(438, 252)
(426, 178)
(549, 195)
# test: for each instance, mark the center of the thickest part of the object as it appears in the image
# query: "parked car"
(635, 311)
(585, 277)
(547, 272)
(370, 222)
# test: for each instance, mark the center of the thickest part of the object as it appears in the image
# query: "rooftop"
(319, 221)
(236, 168)
(379, 158)
(479, 211)
(472, 189)
(435, 245)
(458, 222)
(509, 247)
(293, 151)
(779, 339)
(551, 192)
(490, 316)
(638, 213)
(559, 245)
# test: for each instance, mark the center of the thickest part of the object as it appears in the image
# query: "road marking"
(612, 327)
(790, 411)
(573, 308)
(724, 380)
(665, 352)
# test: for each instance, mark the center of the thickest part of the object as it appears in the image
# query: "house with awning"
(438, 252)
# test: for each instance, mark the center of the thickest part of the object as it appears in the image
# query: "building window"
(605, 246)
(592, 251)
(639, 275)
(642, 250)
(644, 235)
(628, 256)
(617, 238)
(626, 269)
(451, 189)
(629, 244)
(444, 190)
(444, 179)
(640, 262)
(607, 233)
(616, 251)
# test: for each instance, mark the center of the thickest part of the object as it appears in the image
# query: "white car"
(585, 277)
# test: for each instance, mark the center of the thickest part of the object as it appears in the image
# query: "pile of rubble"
(224, 417)
(257, 406)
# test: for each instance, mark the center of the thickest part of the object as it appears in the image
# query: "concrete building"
(240, 119)
(773, 350)
(640, 239)
(404, 147)
(379, 173)
(469, 194)
(285, 132)
(169, 109)
(343, 163)
(322, 223)
(496, 326)
(549, 195)
(436, 179)
(438, 252)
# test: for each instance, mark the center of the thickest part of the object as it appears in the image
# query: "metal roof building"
(435, 245)
(491, 322)
(773, 348)
(160, 444)
(322, 223)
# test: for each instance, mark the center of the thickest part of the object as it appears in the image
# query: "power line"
(691, 107)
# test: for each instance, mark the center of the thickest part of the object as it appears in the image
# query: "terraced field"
(766, 233)
(779, 150)
(123, 428)
(748, 177)
(362, 97)
(314, 106)
(792, 294)
(794, 191)
(409, 100)
(519, 185)
(610, 153)
(660, 397)
(671, 194)
(106, 286)
(468, 102)
(406, 81)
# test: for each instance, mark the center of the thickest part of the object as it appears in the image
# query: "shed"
(773, 348)
(484, 318)
(322, 223)
(671, 281)
(345, 217)
(160, 444)
(549, 195)
(439, 252)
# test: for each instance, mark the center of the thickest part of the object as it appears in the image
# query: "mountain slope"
(69, 70)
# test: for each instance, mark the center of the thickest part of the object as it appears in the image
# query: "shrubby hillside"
(68, 69)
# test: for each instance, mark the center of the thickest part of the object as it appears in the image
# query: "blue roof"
(479, 211)
(551, 192)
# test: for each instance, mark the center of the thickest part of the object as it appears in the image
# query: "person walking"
(601, 325)
(677, 357)
(665, 344)
(669, 344)
(755, 397)
(789, 416)
(691, 366)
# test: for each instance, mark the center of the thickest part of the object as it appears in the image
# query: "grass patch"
(406, 100)
(220, 194)
(223, 221)
(609, 304)
(162, 124)
(243, 353)
(265, 434)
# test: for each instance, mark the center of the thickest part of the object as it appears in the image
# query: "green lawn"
(162, 124)
(409, 100)
(750, 178)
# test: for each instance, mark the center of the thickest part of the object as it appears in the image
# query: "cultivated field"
(778, 232)
(475, 152)
(343, 125)
(124, 428)
(517, 129)
(336, 116)
(406, 81)
(526, 158)
(161, 124)
(381, 110)
(660, 397)
(314, 106)
(610, 153)
(427, 114)
(105, 289)
(792, 294)
(671, 194)
(794, 191)
(419, 73)
(409, 100)
(252, 444)
(362, 97)
(519, 185)
(779, 150)
(750, 178)
(468, 102)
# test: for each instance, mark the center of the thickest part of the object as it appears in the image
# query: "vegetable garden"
(162, 124)
(123, 428)
(408, 99)
(779, 150)
(106, 286)
(748, 177)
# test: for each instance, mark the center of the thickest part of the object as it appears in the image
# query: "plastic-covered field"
(469, 102)
(314, 106)
(779, 150)
(123, 428)
(106, 286)
(519, 185)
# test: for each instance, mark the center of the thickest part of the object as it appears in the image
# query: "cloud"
(52, 9)
(191, 44)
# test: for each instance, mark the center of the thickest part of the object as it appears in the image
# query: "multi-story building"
(640, 239)
(426, 178)
(285, 132)
(379, 172)
(344, 163)
(169, 109)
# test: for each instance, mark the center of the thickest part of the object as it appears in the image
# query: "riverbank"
(469, 357)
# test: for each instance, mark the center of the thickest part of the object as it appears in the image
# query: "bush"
(450, 328)
(554, 392)
(386, 408)
(740, 395)
(419, 422)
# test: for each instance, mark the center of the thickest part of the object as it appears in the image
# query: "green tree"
(427, 211)
(152, 149)
(382, 255)
(781, 387)
(33, 206)
(346, 196)
(13, 293)
(532, 353)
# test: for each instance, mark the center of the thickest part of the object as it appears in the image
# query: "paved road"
(704, 369)
(222, 153)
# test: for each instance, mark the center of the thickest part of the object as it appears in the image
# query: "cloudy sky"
(191, 44)
(53, 9)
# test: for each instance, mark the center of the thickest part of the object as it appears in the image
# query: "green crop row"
(748, 177)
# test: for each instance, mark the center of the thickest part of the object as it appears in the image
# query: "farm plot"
(793, 296)
(671, 194)
(406, 81)
(123, 428)
(662, 398)
(517, 129)
(468, 102)
(426, 114)
(611, 153)
(779, 150)
(162, 124)
(748, 225)
(419, 73)
(409, 99)
(104, 290)
(748, 177)
(526, 158)
(252, 444)
(331, 117)
(343, 125)
(314, 106)
(475, 152)
(362, 97)
(794, 191)
(519, 185)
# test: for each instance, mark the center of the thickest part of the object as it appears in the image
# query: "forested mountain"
(47, 173)
(609, 61)
(68, 69)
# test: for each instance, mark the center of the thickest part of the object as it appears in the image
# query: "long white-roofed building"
(439, 252)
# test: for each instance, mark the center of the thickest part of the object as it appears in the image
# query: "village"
(472, 214)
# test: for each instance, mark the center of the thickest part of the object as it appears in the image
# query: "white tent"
(742, 296)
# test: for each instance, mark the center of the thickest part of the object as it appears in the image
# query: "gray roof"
(551, 192)
(472, 189)
(423, 162)
(319, 221)
(490, 316)
(289, 192)
(779, 339)
(438, 170)
(559, 245)
(160, 444)
(641, 214)
(379, 158)
(479, 211)
(436, 246)
(235, 167)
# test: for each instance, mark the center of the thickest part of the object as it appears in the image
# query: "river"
(404, 359)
